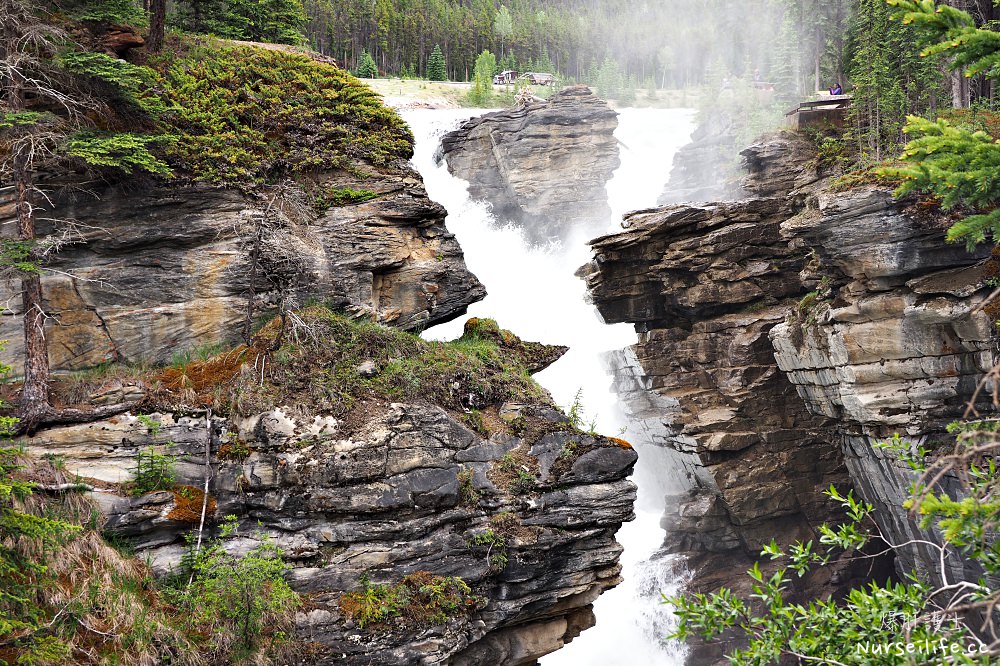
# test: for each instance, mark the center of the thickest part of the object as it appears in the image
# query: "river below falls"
(534, 293)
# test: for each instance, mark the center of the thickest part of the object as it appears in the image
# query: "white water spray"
(533, 292)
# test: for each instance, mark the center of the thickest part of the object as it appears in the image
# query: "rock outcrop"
(780, 336)
(408, 489)
(542, 166)
(151, 272)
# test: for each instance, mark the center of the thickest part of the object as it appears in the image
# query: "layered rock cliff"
(158, 270)
(780, 336)
(517, 503)
(542, 166)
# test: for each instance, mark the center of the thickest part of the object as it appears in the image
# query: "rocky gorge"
(781, 336)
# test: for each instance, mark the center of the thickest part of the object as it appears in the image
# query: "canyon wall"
(780, 337)
(407, 489)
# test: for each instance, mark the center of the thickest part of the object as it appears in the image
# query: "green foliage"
(577, 415)
(482, 86)
(246, 597)
(106, 11)
(131, 83)
(881, 623)
(20, 613)
(367, 69)
(276, 21)
(495, 545)
(958, 165)
(153, 426)
(890, 79)
(153, 471)
(204, 16)
(10, 120)
(436, 68)
(471, 372)
(503, 25)
(122, 151)
(954, 32)
(420, 600)
(343, 196)
(608, 79)
(245, 115)
(18, 255)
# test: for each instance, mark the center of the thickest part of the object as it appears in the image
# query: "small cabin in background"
(504, 77)
(826, 112)
(539, 78)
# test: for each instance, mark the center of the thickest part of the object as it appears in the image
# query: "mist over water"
(533, 292)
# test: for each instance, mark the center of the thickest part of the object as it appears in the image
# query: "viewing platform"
(827, 111)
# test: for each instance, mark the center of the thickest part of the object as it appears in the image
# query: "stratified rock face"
(543, 166)
(157, 271)
(780, 336)
(407, 490)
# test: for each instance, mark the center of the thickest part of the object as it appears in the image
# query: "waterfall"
(533, 292)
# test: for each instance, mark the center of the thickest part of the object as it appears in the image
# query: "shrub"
(321, 369)
(243, 115)
(245, 599)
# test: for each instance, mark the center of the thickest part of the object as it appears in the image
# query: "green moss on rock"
(333, 363)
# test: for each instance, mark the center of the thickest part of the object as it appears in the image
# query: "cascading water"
(533, 292)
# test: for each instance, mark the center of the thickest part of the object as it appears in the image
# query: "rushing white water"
(533, 292)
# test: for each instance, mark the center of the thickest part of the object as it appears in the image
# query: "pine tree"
(891, 79)
(956, 164)
(367, 69)
(57, 126)
(436, 68)
(277, 21)
(203, 16)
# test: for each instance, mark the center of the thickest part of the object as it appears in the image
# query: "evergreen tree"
(890, 77)
(436, 68)
(205, 16)
(366, 66)
(957, 164)
(48, 117)
(276, 21)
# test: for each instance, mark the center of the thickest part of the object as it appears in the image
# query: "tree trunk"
(35, 391)
(157, 24)
(960, 93)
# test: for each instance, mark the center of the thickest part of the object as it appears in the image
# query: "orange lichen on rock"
(187, 504)
(620, 442)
